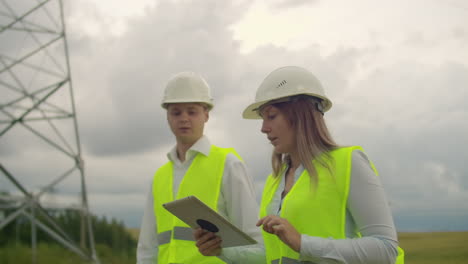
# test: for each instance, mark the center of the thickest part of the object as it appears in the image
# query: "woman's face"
(278, 130)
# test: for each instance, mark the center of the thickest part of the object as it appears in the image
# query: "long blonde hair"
(312, 135)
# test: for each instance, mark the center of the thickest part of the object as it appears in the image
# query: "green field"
(435, 247)
(426, 247)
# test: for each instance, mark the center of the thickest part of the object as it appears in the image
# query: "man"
(217, 176)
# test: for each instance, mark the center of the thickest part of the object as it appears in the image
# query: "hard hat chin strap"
(319, 106)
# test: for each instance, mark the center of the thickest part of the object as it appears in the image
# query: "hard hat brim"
(251, 111)
(178, 101)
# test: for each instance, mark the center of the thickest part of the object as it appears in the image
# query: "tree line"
(109, 233)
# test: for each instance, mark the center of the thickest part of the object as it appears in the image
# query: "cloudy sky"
(396, 71)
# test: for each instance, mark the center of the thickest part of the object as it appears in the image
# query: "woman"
(323, 203)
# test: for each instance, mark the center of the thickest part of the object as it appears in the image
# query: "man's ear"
(207, 115)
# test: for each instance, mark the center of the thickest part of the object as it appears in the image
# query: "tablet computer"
(196, 214)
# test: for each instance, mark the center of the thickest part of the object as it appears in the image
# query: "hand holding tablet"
(196, 214)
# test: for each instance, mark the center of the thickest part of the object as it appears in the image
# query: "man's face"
(187, 121)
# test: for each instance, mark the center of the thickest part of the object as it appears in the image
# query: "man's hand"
(207, 242)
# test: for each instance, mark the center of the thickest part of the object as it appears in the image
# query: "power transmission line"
(37, 100)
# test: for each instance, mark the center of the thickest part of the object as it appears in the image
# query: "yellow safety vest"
(321, 213)
(202, 179)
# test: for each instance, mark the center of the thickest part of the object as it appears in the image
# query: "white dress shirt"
(236, 202)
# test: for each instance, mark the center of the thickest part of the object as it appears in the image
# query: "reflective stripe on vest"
(301, 206)
(285, 260)
(202, 179)
(181, 233)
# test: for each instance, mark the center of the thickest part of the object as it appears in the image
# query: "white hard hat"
(285, 82)
(187, 87)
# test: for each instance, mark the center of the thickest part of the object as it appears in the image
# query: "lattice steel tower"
(41, 169)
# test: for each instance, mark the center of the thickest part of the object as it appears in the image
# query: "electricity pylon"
(40, 153)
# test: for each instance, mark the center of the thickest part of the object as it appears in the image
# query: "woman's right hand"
(283, 229)
(207, 242)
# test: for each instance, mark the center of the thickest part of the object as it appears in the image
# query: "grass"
(22, 254)
(55, 254)
(435, 247)
(423, 247)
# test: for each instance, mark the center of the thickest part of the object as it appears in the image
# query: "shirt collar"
(202, 146)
